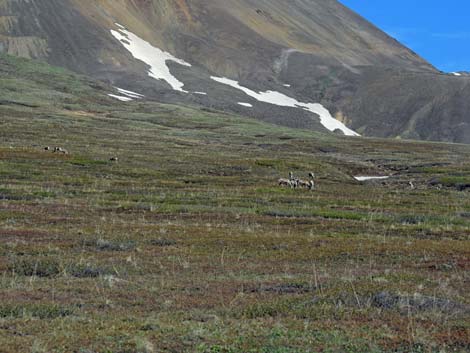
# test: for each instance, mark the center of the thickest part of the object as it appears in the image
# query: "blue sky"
(437, 30)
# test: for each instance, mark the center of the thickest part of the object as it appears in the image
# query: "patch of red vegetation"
(455, 336)
(22, 297)
(24, 234)
(451, 264)
(464, 264)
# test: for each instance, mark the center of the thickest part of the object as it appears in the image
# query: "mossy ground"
(187, 244)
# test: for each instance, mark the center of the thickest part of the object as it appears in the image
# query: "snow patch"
(201, 93)
(365, 178)
(283, 100)
(286, 85)
(245, 104)
(121, 98)
(130, 93)
(456, 73)
(152, 56)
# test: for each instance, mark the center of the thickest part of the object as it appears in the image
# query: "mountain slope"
(310, 51)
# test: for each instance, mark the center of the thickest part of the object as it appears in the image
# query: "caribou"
(285, 182)
(60, 150)
(303, 183)
(294, 182)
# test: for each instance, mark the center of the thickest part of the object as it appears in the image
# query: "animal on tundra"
(294, 182)
(60, 150)
(285, 182)
(308, 184)
(303, 183)
(311, 185)
(113, 159)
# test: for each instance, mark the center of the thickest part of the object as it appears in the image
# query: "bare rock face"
(306, 51)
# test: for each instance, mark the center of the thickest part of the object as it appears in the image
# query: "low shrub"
(40, 267)
(41, 311)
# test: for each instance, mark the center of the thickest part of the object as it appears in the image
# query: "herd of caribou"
(292, 182)
(64, 151)
(56, 150)
(295, 183)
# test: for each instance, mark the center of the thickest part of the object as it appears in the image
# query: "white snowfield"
(365, 178)
(154, 57)
(201, 93)
(121, 98)
(456, 73)
(246, 104)
(157, 60)
(283, 100)
(130, 94)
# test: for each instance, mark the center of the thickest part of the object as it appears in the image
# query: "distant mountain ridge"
(297, 63)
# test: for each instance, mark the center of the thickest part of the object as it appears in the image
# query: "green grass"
(187, 244)
(39, 311)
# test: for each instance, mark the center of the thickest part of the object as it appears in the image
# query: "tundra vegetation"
(188, 244)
